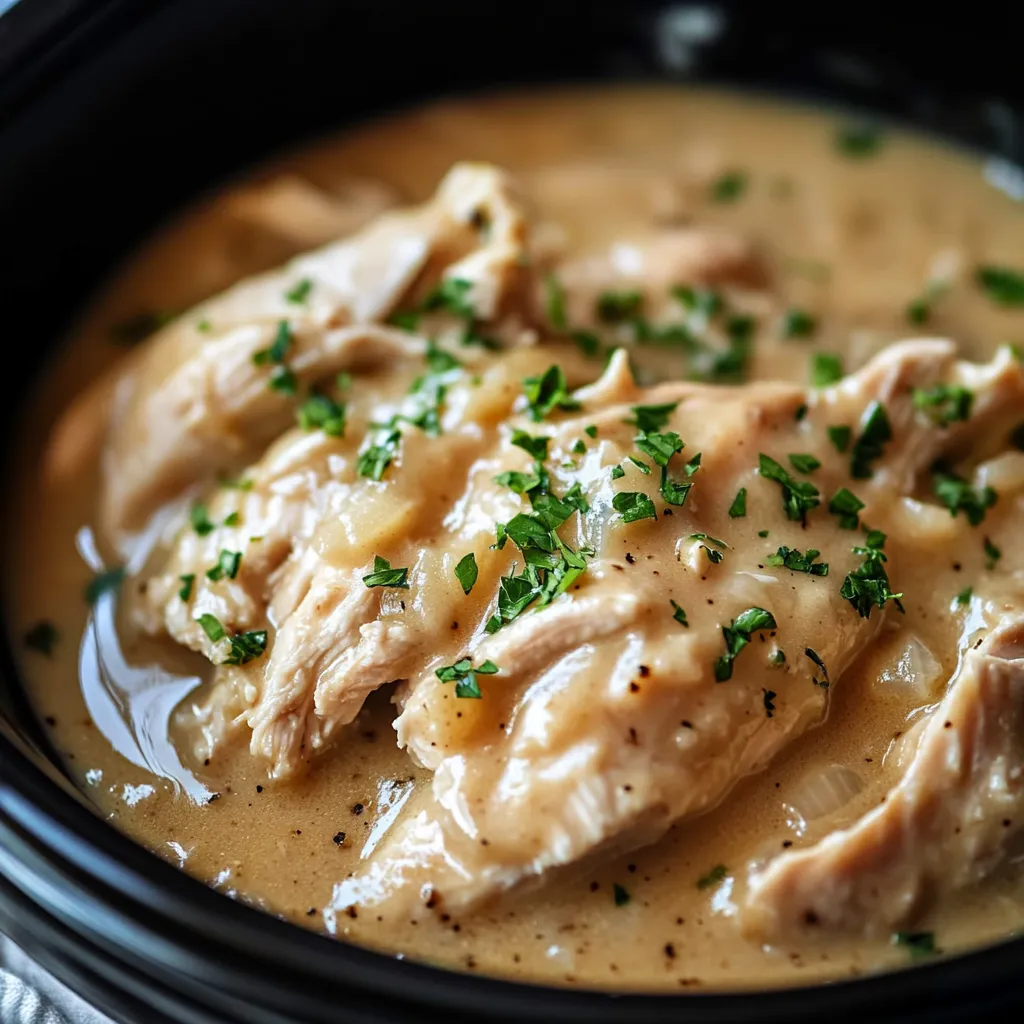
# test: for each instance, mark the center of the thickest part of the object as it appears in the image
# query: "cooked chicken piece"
(197, 400)
(943, 827)
(607, 719)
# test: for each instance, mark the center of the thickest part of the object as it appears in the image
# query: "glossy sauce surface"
(855, 240)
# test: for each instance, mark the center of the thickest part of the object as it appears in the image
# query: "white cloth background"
(29, 995)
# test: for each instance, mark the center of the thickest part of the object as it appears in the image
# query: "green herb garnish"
(868, 586)
(634, 506)
(546, 393)
(199, 517)
(384, 576)
(277, 350)
(713, 877)
(797, 561)
(918, 944)
(797, 323)
(847, 506)
(738, 508)
(554, 302)
(992, 554)
(944, 403)
(737, 635)
(299, 292)
(463, 675)
(958, 495)
(678, 614)
(615, 307)
(728, 187)
(826, 369)
(840, 438)
(875, 431)
(466, 572)
(798, 496)
(620, 895)
(964, 596)
(321, 412)
(804, 463)
(185, 593)
(1003, 285)
(227, 566)
(858, 140)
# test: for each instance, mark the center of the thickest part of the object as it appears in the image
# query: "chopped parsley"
(299, 292)
(678, 614)
(660, 447)
(554, 302)
(797, 561)
(651, 418)
(737, 635)
(535, 446)
(232, 519)
(919, 311)
(797, 323)
(826, 369)
(823, 682)
(769, 702)
(762, 533)
(546, 393)
(958, 495)
(713, 877)
(798, 496)
(244, 647)
(728, 187)
(452, 295)
(204, 326)
(693, 465)
(846, 505)
(42, 637)
(642, 466)
(804, 463)
(237, 484)
(186, 585)
(868, 587)
(323, 413)
(1004, 286)
(227, 566)
(406, 320)
(840, 437)
(615, 307)
(199, 517)
(944, 403)
(992, 554)
(590, 431)
(918, 944)
(587, 342)
(801, 412)
(579, 446)
(634, 506)
(277, 350)
(384, 576)
(738, 508)
(376, 458)
(463, 675)
(620, 895)
(777, 658)
(212, 627)
(875, 431)
(964, 597)
(617, 473)
(466, 572)
(282, 379)
(517, 482)
(105, 582)
(858, 141)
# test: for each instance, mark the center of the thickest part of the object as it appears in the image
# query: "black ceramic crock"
(112, 115)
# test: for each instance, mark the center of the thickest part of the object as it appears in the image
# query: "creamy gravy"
(853, 240)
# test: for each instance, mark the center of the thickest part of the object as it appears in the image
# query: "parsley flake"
(918, 944)
(464, 676)
(804, 463)
(868, 586)
(826, 369)
(227, 566)
(299, 292)
(797, 561)
(738, 508)
(858, 141)
(875, 431)
(651, 418)
(678, 614)
(713, 877)
(634, 506)
(384, 576)
(1004, 286)
(321, 412)
(554, 302)
(992, 554)
(964, 597)
(619, 895)
(186, 585)
(958, 495)
(615, 307)
(846, 505)
(199, 517)
(798, 496)
(466, 572)
(944, 403)
(840, 437)
(737, 635)
(728, 187)
(797, 323)
(243, 647)
(546, 393)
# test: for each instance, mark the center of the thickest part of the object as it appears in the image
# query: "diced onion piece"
(823, 792)
(914, 667)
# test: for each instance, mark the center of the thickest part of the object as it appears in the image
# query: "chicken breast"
(642, 695)
(944, 826)
(214, 386)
